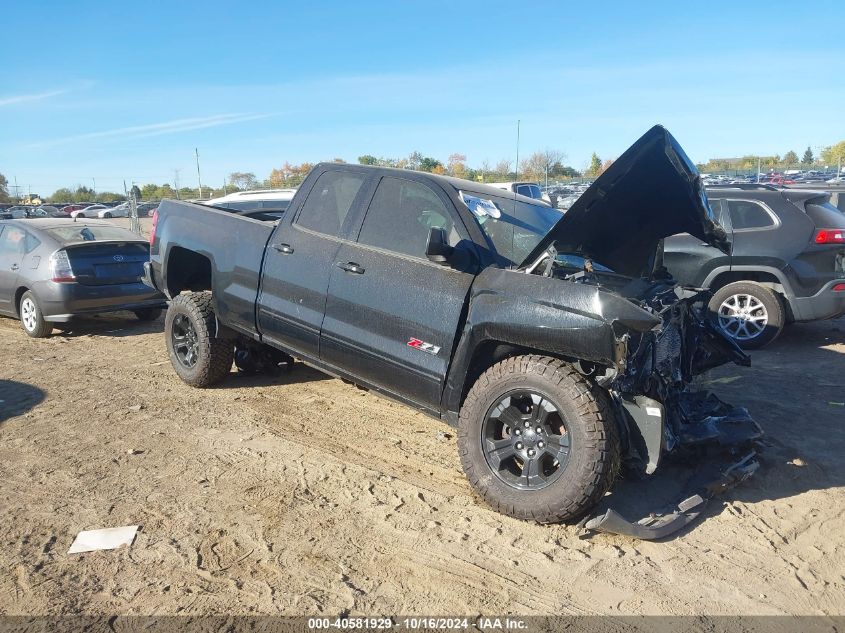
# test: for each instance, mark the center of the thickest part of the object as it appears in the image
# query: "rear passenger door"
(299, 260)
(13, 247)
(392, 315)
(689, 260)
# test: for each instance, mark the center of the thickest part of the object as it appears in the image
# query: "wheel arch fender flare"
(735, 274)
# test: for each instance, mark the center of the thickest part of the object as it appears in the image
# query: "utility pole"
(176, 181)
(516, 168)
(199, 179)
(758, 170)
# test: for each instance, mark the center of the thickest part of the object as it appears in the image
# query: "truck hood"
(650, 192)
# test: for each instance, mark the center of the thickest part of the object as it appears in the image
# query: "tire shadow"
(114, 325)
(16, 398)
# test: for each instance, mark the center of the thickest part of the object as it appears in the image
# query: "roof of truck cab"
(458, 184)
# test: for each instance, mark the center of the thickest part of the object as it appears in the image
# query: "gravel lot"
(304, 495)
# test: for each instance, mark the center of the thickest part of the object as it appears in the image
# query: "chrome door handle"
(15, 267)
(351, 267)
(286, 249)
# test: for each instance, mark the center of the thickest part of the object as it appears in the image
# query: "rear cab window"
(329, 201)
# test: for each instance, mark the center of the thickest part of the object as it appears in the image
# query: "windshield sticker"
(480, 207)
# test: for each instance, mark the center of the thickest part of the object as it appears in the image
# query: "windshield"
(83, 233)
(518, 228)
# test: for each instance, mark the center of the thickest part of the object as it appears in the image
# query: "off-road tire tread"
(596, 420)
(216, 354)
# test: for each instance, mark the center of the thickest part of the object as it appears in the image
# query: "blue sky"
(118, 90)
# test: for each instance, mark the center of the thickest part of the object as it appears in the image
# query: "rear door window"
(329, 202)
(401, 217)
(746, 214)
(16, 241)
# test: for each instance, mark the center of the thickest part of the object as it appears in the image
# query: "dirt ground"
(304, 495)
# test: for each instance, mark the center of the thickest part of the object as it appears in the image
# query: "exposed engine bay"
(661, 414)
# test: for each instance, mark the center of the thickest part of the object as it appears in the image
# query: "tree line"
(828, 157)
(540, 166)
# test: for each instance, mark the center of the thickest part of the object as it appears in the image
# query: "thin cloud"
(155, 129)
(4, 101)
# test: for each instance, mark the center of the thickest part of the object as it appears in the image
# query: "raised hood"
(650, 192)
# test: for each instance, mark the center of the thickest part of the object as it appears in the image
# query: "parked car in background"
(67, 209)
(119, 211)
(527, 189)
(89, 211)
(786, 262)
(15, 213)
(146, 209)
(261, 203)
(52, 270)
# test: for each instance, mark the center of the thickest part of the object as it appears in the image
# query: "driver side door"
(392, 315)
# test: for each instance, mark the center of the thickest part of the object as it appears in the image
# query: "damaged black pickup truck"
(557, 344)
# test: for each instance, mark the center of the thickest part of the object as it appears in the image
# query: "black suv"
(787, 260)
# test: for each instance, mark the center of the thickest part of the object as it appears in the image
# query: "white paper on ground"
(108, 538)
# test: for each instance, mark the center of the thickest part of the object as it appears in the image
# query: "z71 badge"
(428, 348)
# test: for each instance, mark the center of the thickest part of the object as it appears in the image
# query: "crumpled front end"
(664, 413)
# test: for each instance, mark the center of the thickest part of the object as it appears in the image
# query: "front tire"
(199, 358)
(108, 215)
(32, 319)
(537, 441)
(749, 313)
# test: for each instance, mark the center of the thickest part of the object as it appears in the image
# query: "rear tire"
(107, 215)
(749, 313)
(562, 398)
(148, 314)
(32, 319)
(199, 358)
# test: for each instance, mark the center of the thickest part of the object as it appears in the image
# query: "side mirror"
(437, 249)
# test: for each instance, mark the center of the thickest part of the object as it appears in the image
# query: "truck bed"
(233, 244)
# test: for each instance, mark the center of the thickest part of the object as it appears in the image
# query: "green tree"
(595, 166)
(4, 189)
(790, 158)
(457, 165)
(148, 191)
(833, 154)
(83, 194)
(135, 191)
(243, 180)
(108, 196)
(430, 164)
(367, 159)
(61, 195)
(808, 159)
